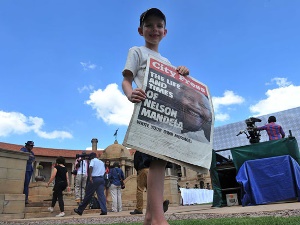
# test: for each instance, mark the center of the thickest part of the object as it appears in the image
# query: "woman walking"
(60, 174)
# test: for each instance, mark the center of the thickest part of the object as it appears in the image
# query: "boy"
(153, 29)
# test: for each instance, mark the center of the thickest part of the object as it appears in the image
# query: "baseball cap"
(152, 11)
(29, 143)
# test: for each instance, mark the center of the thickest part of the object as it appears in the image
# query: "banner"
(175, 122)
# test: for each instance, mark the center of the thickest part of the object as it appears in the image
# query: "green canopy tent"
(223, 171)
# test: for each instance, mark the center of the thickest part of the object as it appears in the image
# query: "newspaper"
(168, 125)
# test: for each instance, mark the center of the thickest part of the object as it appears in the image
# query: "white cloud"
(18, 123)
(280, 81)
(221, 116)
(90, 149)
(86, 88)
(88, 65)
(278, 99)
(229, 98)
(54, 134)
(111, 105)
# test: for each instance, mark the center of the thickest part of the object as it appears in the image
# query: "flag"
(116, 132)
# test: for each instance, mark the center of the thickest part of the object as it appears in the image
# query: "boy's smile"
(153, 30)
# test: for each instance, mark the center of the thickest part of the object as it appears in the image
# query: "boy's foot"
(62, 214)
(136, 212)
(103, 213)
(166, 205)
(50, 209)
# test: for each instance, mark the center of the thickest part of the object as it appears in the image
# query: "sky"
(61, 63)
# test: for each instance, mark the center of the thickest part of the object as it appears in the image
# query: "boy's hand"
(137, 95)
(182, 70)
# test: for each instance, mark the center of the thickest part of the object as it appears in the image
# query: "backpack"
(94, 204)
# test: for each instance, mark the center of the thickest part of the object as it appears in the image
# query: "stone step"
(40, 209)
(42, 212)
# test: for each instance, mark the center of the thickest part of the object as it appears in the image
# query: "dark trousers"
(98, 187)
(28, 175)
(58, 195)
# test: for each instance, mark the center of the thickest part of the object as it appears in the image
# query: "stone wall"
(12, 175)
(129, 193)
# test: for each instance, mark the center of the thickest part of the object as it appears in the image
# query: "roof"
(50, 152)
(117, 151)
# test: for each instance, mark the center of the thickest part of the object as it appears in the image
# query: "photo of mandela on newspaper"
(183, 110)
(175, 121)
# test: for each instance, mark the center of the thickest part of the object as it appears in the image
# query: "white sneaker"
(62, 214)
(50, 209)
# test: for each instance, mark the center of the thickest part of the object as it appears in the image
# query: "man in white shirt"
(96, 183)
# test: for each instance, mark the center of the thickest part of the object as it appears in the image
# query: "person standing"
(60, 174)
(81, 165)
(95, 183)
(116, 175)
(141, 164)
(29, 168)
(153, 29)
(274, 130)
(107, 169)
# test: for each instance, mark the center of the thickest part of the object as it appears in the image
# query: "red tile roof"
(49, 152)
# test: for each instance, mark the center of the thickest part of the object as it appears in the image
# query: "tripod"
(82, 176)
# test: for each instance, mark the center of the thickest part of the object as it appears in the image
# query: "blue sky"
(61, 63)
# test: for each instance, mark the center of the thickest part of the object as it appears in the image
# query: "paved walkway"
(174, 213)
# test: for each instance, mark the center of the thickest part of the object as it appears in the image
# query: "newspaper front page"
(175, 122)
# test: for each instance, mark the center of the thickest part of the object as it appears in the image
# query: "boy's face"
(153, 30)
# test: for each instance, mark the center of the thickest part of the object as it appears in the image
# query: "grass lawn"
(230, 221)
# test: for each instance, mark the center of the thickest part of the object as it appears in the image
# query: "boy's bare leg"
(155, 191)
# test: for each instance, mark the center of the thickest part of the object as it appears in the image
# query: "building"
(225, 137)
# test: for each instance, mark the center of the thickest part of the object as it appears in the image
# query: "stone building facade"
(176, 176)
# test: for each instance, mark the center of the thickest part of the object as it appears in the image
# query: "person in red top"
(274, 130)
(107, 168)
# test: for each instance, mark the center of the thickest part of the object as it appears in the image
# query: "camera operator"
(274, 130)
(81, 165)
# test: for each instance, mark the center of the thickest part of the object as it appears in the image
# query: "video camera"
(253, 135)
(251, 122)
(83, 156)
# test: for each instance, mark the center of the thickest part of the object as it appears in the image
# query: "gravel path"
(131, 219)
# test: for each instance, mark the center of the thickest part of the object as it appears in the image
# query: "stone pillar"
(123, 165)
(171, 190)
(94, 144)
(36, 171)
(168, 171)
(12, 199)
(183, 171)
(72, 178)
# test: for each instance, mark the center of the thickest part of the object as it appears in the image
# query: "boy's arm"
(133, 95)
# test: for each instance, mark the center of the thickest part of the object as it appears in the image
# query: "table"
(196, 196)
(269, 180)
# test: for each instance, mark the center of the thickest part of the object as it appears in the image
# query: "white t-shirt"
(137, 61)
(98, 167)
(82, 169)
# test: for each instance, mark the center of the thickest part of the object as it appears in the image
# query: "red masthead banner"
(171, 71)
